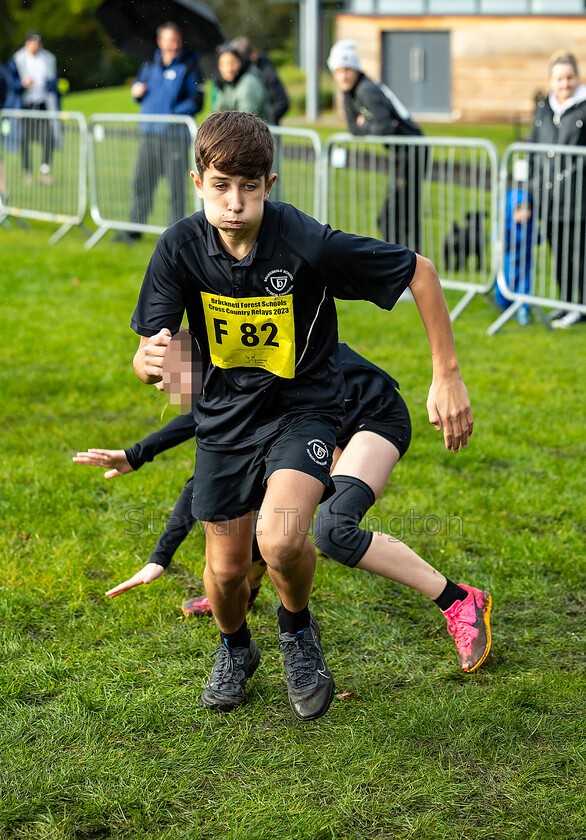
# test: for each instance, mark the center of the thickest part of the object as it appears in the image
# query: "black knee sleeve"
(335, 530)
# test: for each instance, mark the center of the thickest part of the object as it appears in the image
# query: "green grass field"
(100, 732)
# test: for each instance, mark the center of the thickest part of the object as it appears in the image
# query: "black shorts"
(390, 420)
(230, 483)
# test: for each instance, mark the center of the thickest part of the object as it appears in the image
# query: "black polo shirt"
(369, 392)
(266, 325)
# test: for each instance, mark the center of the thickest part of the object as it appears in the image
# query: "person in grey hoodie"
(560, 119)
(37, 70)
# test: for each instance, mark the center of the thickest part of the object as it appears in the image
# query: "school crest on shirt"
(278, 282)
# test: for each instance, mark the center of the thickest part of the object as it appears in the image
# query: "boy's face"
(233, 204)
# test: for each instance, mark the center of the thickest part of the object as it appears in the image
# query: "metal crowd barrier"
(44, 158)
(542, 230)
(523, 225)
(139, 172)
(297, 162)
(436, 195)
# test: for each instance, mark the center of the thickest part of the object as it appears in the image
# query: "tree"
(269, 25)
(86, 56)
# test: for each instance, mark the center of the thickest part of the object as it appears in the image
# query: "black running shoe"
(310, 684)
(233, 666)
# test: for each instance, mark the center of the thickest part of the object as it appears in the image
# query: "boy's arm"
(178, 527)
(176, 431)
(148, 359)
(123, 461)
(448, 404)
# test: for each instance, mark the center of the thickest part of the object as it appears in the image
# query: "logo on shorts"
(278, 282)
(318, 452)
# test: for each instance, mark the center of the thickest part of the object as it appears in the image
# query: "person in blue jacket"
(518, 244)
(9, 85)
(171, 84)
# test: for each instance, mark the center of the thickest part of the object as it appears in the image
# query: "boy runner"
(257, 280)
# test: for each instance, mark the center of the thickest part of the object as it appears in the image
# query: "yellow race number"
(251, 332)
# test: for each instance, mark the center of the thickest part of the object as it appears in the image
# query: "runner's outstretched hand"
(113, 460)
(147, 574)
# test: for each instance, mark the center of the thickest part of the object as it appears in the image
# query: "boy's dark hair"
(235, 143)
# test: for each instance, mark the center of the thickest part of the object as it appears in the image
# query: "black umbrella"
(132, 26)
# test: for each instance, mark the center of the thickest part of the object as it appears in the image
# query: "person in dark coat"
(273, 85)
(373, 109)
(560, 120)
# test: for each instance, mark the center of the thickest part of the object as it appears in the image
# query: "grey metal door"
(416, 66)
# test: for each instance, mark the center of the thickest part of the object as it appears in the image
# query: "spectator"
(518, 262)
(171, 84)
(37, 71)
(4, 82)
(10, 135)
(560, 119)
(5, 89)
(237, 87)
(371, 108)
(268, 75)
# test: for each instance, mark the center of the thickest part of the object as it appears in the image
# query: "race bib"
(251, 332)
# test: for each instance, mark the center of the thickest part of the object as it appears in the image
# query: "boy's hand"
(154, 354)
(147, 574)
(114, 460)
(449, 409)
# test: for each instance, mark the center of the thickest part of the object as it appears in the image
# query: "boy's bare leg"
(283, 524)
(284, 521)
(371, 458)
(228, 559)
(256, 574)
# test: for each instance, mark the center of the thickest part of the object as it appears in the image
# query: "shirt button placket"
(237, 280)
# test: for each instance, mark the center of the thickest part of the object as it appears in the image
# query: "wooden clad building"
(474, 68)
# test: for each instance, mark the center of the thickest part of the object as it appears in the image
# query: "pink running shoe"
(469, 624)
(196, 606)
(201, 606)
